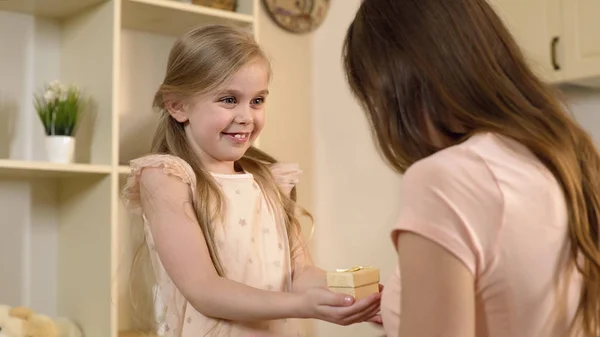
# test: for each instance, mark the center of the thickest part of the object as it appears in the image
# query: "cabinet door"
(536, 26)
(581, 39)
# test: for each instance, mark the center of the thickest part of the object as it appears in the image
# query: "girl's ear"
(176, 108)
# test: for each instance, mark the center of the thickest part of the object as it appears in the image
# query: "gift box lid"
(353, 277)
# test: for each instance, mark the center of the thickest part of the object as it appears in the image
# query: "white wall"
(585, 106)
(356, 194)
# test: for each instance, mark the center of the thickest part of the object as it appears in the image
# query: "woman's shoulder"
(451, 161)
(461, 167)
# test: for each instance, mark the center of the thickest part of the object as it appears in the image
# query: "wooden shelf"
(57, 9)
(30, 169)
(169, 17)
(124, 169)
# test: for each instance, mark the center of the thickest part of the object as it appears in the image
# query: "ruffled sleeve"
(172, 165)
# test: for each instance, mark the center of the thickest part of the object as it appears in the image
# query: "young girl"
(220, 217)
(498, 230)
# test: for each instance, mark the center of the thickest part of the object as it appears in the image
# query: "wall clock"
(297, 16)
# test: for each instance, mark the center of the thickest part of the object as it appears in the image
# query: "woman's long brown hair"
(455, 65)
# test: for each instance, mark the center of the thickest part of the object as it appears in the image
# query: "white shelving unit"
(63, 242)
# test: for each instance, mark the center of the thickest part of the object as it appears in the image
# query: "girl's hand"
(320, 303)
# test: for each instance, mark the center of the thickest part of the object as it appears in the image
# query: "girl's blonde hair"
(200, 61)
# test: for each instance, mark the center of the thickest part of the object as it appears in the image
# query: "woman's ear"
(176, 108)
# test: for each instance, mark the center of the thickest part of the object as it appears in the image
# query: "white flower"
(55, 85)
(49, 96)
(62, 96)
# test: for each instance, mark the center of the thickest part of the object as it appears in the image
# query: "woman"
(498, 232)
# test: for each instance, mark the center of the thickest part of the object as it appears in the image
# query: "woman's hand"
(322, 304)
(376, 320)
(325, 305)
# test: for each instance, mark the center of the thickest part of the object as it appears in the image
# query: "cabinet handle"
(555, 64)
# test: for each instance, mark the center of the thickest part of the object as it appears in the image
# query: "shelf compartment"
(76, 50)
(85, 254)
(143, 61)
(31, 169)
(56, 244)
(169, 17)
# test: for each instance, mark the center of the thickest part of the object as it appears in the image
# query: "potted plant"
(59, 108)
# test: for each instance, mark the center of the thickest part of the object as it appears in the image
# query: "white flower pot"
(61, 149)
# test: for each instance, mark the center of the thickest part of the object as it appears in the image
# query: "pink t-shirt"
(493, 204)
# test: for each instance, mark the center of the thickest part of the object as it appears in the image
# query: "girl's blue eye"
(228, 100)
(258, 101)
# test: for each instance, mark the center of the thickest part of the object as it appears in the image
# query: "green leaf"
(59, 117)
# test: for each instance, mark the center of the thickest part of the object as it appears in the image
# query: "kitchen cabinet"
(559, 38)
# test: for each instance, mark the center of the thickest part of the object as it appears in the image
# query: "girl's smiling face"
(222, 124)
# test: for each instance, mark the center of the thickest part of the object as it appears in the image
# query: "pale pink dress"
(491, 203)
(252, 244)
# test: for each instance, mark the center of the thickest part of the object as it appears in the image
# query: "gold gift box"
(358, 282)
